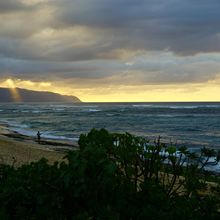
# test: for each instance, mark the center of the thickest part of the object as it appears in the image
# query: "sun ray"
(14, 91)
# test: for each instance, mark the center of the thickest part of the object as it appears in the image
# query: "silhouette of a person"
(38, 136)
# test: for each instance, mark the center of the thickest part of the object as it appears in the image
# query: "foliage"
(111, 176)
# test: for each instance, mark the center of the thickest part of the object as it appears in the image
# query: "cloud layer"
(110, 42)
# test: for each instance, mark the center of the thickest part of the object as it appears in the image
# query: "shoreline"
(18, 149)
(26, 145)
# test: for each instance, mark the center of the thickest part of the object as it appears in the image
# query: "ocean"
(193, 125)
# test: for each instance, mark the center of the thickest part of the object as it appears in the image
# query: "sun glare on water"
(14, 92)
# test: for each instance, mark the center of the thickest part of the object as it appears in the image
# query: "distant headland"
(24, 95)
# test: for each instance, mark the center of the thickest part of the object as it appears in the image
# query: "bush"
(111, 176)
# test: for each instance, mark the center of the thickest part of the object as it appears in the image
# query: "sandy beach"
(17, 149)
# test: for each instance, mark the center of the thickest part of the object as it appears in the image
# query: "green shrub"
(111, 176)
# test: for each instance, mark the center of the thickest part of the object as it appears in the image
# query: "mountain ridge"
(25, 95)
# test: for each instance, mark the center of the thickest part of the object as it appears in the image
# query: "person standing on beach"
(38, 137)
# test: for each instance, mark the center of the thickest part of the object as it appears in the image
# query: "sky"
(112, 50)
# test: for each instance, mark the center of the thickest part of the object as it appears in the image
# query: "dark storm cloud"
(27, 50)
(7, 6)
(10, 5)
(20, 19)
(40, 70)
(184, 27)
(145, 70)
(94, 39)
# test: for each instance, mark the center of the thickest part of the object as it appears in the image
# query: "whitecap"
(59, 109)
(109, 114)
(183, 107)
(94, 110)
(141, 106)
(24, 132)
(37, 111)
(57, 137)
(14, 124)
(211, 106)
(89, 106)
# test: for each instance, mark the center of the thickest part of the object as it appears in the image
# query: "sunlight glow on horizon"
(149, 93)
(209, 91)
(10, 83)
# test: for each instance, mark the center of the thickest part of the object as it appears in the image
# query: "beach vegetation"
(113, 176)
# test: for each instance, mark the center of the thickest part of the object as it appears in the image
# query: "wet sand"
(17, 149)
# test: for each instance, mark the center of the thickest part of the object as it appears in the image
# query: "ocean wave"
(74, 106)
(60, 106)
(166, 106)
(18, 125)
(211, 106)
(37, 111)
(94, 110)
(58, 137)
(174, 106)
(24, 130)
(142, 106)
(14, 125)
(183, 107)
(5, 121)
(193, 106)
(59, 109)
(89, 106)
(112, 114)
(168, 115)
